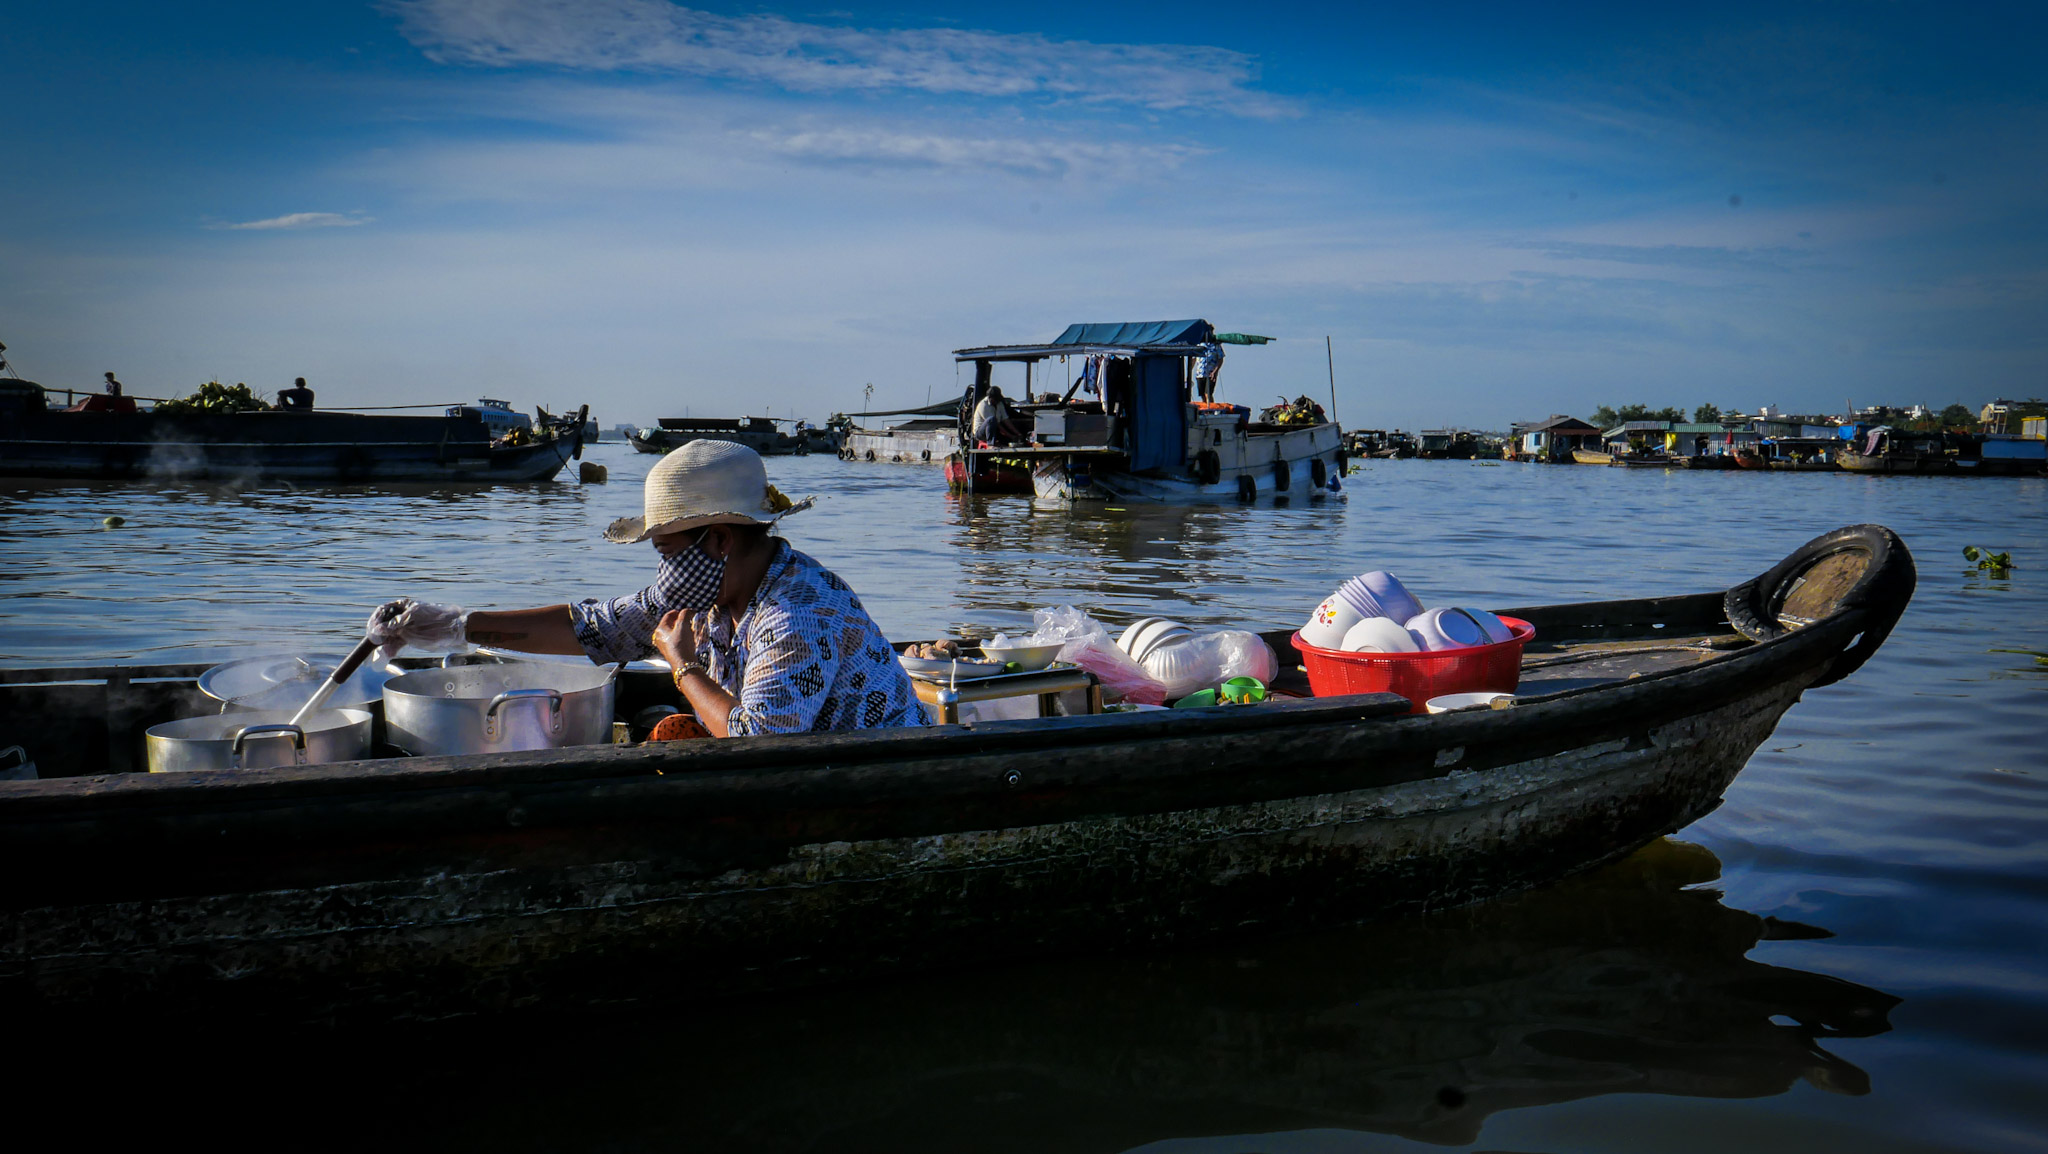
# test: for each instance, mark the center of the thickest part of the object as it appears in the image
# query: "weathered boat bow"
(429, 886)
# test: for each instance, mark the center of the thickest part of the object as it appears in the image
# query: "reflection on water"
(1627, 980)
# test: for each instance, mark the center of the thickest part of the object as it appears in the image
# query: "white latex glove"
(420, 624)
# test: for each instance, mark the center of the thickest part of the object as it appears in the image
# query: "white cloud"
(658, 36)
(300, 220)
(1028, 156)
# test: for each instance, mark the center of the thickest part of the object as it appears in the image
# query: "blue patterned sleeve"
(621, 629)
(791, 666)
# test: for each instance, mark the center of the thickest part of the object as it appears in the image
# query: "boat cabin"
(1126, 411)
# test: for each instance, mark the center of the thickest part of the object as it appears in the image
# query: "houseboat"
(1553, 440)
(1143, 435)
(308, 446)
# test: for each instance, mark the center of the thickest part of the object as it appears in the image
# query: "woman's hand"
(680, 636)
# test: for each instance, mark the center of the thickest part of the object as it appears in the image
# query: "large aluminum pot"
(286, 681)
(499, 708)
(258, 739)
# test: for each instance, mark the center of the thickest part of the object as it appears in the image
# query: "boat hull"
(1304, 462)
(309, 448)
(499, 934)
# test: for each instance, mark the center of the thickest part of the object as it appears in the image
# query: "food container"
(1452, 701)
(500, 708)
(1027, 657)
(258, 739)
(1419, 676)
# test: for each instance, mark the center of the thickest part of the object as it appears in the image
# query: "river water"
(1847, 955)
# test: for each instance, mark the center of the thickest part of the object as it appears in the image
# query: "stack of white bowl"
(1150, 633)
(1375, 613)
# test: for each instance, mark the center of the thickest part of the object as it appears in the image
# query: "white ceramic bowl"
(1146, 634)
(1446, 629)
(1450, 701)
(1496, 629)
(962, 670)
(1329, 623)
(1380, 594)
(1027, 657)
(1379, 635)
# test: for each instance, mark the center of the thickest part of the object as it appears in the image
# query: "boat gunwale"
(929, 759)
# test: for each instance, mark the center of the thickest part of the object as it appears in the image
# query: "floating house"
(1553, 440)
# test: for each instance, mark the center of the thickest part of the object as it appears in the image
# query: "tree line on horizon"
(1606, 417)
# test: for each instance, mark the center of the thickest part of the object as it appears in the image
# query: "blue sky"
(1494, 211)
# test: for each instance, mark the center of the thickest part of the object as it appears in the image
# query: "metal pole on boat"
(1331, 357)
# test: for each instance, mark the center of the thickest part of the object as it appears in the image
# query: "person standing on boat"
(1207, 369)
(297, 399)
(110, 401)
(762, 638)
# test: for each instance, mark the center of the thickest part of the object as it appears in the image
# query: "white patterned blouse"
(803, 658)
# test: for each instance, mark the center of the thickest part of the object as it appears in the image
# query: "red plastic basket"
(1419, 676)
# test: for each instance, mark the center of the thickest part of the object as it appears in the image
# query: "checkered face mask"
(693, 576)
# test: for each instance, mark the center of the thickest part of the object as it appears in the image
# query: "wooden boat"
(756, 433)
(923, 441)
(1591, 457)
(1709, 462)
(991, 474)
(601, 874)
(310, 447)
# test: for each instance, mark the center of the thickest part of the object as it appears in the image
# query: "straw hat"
(705, 483)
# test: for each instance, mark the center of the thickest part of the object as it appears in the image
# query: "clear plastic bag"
(1207, 660)
(1085, 642)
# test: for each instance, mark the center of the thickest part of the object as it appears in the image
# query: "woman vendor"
(762, 639)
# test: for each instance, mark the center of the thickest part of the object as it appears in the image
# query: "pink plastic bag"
(1087, 644)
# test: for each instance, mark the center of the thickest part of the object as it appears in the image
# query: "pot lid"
(286, 681)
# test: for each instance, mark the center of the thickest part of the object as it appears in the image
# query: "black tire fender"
(1318, 475)
(1208, 467)
(1757, 607)
(871, 454)
(1283, 476)
(1247, 489)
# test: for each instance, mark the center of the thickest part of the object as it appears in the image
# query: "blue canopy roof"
(1138, 334)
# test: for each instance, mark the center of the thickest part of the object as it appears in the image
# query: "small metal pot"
(500, 708)
(258, 739)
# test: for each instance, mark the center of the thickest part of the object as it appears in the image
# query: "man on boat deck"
(992, 424)
(297, 399)
(762, 639)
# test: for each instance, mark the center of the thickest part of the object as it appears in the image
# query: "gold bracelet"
(676, 675)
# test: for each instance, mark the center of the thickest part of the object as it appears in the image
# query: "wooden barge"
(311, 447)
(427, 887)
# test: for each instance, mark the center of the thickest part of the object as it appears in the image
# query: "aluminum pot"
(500, 708)
(285, 681)
(258, 739)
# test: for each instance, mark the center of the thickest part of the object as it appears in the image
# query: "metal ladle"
(342, 672)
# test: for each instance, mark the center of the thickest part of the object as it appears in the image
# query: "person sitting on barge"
(762, 639)
(992, 423)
